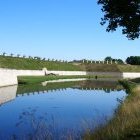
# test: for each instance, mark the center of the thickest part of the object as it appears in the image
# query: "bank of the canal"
(39, 79)
(13, 66)
(72, 106)
(126, 121)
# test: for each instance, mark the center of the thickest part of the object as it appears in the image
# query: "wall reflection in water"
(58, 110)
(7, 94)
(105, 85)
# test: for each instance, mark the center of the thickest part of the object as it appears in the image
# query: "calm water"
(57, 110)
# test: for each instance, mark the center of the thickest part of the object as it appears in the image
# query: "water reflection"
(59, 110)
(7, 94)
(106, 85)
(43, 127)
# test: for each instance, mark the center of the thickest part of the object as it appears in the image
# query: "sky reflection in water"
(68, 109)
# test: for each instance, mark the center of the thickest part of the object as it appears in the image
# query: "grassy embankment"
(32, 64)
(126, 121)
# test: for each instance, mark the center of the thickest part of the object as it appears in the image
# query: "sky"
(60, 29)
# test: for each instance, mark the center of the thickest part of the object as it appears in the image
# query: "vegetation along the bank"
(39, 79)
(126, 121)
(37, 63)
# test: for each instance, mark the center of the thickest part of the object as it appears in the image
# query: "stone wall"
(9, 76)
(113, 74)
(24, 72)
(131, 75)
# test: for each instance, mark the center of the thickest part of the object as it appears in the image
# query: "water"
(57, 110)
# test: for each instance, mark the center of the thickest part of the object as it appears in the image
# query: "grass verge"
(126, 121)
(39, 79)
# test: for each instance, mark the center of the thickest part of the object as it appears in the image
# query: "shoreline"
(23, 80)
(125, 123)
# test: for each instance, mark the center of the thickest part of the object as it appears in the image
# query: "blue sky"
(60, 29)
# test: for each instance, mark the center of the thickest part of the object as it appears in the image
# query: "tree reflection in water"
(35, 127)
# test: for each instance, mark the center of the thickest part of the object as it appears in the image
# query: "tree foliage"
(109, 58)
(122, 13)
(133, 60)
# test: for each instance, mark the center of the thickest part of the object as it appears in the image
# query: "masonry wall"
(26, 72)
(9, 77)
(131, 75)
(113, 74)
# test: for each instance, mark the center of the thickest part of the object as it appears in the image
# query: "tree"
(133, 60)
(30, 57)
(24, 56)
(108, 58)
(122, 13)
(11, 54)
(4, 54)
(37, 58)
(18, 55)
(120, 61)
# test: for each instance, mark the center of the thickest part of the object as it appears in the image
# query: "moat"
(57, 110)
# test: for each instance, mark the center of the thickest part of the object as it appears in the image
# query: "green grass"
(126, 122)
(100, 67)
(39, 79)
(110, 67)
(137, 80)
(129, 68)
(128, 85)
(32, 64)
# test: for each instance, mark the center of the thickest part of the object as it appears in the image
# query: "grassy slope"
(111, 68)
(129, 68)
(31, 64)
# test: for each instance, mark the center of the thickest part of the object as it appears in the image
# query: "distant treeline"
(119, 61)
(133, 60)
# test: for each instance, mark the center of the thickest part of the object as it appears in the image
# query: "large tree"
(122, 13)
